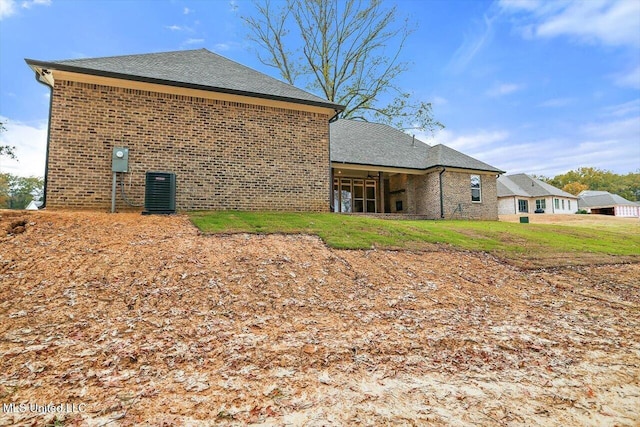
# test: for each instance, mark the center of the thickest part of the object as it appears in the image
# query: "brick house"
(238, 139)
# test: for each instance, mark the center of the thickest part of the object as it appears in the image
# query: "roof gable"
(198, 69)
(526, 186)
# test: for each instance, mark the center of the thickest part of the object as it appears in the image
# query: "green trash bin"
(524, 220)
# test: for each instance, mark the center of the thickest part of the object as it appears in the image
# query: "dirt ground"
(127, 319)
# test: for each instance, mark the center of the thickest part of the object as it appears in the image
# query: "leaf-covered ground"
(137, 319)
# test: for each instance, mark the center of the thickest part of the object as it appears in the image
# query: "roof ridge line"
(129, 55)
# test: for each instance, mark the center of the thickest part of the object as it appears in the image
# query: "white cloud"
(624, 109)
(530, 5)
(471, 142)
(187, 11)
(221, 47)
(227, 46)
(193, 41)
(628, 128)
(31, 147)
(556, 102)
(28, 4)
(610, 143)
(439, 100)
(629, 79)
(472, 45)
(7, 8)
(502, 89)
(607, 22)
(175, 27)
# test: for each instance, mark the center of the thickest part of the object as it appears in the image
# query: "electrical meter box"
(120, 160)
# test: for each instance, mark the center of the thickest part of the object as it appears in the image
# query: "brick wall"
(421, 195)
(398, 193)
(457, 197)
(426, 190)
(226, 155)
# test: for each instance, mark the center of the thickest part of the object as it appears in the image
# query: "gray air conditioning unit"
(160, 193)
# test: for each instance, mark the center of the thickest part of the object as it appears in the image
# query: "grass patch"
(526, 244)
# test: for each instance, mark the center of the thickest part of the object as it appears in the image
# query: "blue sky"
(538, 87)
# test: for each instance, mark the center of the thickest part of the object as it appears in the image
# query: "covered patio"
(376, 169)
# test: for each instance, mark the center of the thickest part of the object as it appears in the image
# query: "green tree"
(347, 51)
(575, 188)
(6, 150)
(627, 186)
(16, 192)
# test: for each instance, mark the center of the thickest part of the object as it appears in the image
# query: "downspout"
(441, 195)
(332, 202)
(46, 162)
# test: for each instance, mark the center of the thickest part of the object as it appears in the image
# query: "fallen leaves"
(145, 320)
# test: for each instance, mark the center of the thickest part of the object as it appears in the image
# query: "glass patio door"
(355, 195)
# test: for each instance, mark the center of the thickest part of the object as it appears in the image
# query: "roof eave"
(33, 63)
(497, 171)
(345, 164)
(413, 169)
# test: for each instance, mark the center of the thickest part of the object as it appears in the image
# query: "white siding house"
(523, 194)
(605, 203)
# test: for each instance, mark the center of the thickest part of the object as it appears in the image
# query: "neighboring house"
(376, 168)
(238, 139)
(605, 203)
(33, 205)
(521, 193)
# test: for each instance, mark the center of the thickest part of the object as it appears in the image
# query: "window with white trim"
(476, 189)
(523, 205)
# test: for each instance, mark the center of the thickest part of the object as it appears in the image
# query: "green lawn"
(525, 244)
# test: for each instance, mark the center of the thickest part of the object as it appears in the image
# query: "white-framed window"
(476, 189)
(556, 203)
(562, 204)
(541, 204)
(569, 204)
(523, 205)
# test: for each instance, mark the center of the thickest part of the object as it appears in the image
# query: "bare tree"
(348, 51)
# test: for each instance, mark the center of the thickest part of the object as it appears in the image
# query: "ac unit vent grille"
(160, 193)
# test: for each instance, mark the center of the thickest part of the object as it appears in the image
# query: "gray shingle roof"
(600, 199)
(198, 69)
(375, 144)
(364, 143)
(526, 186)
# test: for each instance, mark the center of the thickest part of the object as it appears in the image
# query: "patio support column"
(331, 199)
(380, 192)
